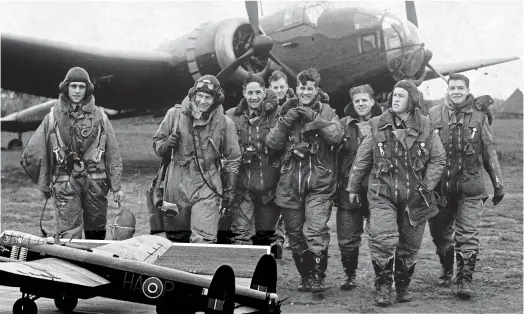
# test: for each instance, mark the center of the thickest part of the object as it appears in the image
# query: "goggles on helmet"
(206, 85)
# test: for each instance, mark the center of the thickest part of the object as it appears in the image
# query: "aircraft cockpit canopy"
(304, 13)
(405, 52)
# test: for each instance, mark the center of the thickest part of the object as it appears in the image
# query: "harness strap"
(56, 141)
(95, 151)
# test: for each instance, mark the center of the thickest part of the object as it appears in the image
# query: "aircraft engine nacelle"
(212, 46)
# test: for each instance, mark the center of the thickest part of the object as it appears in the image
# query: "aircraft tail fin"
(221, 291)
(265, 275)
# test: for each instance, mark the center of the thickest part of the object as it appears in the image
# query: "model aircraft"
(125, 270)
(349, 46)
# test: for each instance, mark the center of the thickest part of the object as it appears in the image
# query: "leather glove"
(498, 195)
(229, 184)
(354, 198)
(308, 113)
(289, 117)
(173, 140)
(118, 196)
(46, 194)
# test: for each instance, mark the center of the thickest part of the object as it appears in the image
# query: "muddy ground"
(497, 281)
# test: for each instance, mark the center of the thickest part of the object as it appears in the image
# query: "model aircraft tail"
(265, 275)
(221, 292)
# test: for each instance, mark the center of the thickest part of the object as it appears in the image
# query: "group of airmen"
(279, 161)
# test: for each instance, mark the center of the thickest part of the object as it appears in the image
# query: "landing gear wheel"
(66, 304)
(25, 306)
(15, 144)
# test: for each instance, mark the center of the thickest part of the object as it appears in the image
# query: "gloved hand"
(308, 113)
(46, 194)
(289, 117)
(354, 198)
(498, 195)
(118, 196)
(172, 141)
(229, 184)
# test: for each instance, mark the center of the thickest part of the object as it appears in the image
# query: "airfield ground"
(497, 281)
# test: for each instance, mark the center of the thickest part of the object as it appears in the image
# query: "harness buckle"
(99, 153)
(59, 158)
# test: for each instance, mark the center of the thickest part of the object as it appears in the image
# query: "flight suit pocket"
(382, 167)
(68, 206)
(472, 183)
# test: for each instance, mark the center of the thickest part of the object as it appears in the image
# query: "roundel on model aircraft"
(152, 287)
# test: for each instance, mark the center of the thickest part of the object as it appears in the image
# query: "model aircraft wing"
(122, 79)
(145, 248)
(53, 269)
(463, 66)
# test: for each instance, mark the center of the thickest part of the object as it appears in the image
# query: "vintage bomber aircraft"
(348, 45)
(124, 270)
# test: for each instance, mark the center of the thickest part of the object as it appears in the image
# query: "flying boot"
(383, 282)
(350, 263)
(304, 262)
(277, 247)
(319, 272)
(465, 269)
(446, 260)
(402, 279)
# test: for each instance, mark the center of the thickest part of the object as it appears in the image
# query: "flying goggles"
(207, 86)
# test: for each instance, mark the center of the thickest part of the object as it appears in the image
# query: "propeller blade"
(440, 75)
(288, 70)
(252, 13)
(411, 12)
(227, 71)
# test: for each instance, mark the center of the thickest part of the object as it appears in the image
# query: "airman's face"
(400, 100)
(76, 91)
(203, 101)
(363, 103)
(279, 87)
(306, 93)
(457, 91)
(254, 94)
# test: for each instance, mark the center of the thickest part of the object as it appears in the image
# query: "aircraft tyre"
(15, 144)
(25, 306)
(66, 304)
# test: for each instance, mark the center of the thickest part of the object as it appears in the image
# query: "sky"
(452, 30)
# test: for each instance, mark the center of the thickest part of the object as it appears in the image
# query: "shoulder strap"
(98, 147)
(176, 113)
(56, 139)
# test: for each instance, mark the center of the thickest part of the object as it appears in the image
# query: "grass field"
(497, 281)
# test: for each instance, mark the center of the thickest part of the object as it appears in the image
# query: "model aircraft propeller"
(261, 46)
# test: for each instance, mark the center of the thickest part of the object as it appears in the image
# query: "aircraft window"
(391, 29)
(362, 20)
(313, 13)
(367, 43)
(293, 15)
(412, 33)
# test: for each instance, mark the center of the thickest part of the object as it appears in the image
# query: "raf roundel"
(152, 287)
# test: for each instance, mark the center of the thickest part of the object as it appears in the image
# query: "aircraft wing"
(53, 269)
(446, 69)
(122, 79)
(145, 248)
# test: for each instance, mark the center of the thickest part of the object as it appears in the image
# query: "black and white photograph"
(261, 156)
